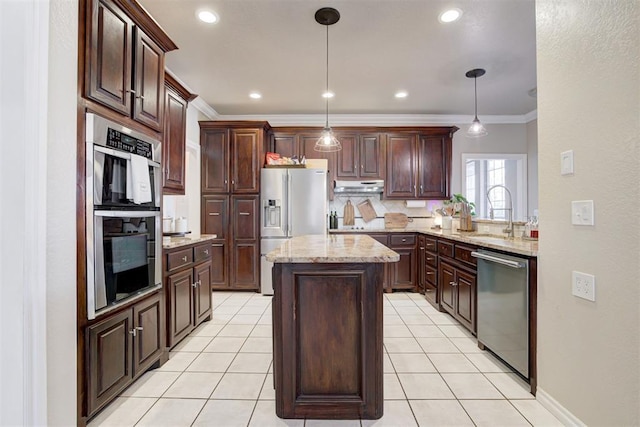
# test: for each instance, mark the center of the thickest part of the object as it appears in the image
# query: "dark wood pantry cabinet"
(124, 60)
(232, 154)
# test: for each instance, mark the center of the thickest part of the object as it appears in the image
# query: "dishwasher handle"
(498, 260)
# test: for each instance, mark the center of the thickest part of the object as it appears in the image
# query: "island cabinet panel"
(327, 321)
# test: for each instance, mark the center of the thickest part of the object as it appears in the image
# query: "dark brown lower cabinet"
(457, 293)
(327, 340)
(188, 276)
(403, 274)
(121, 348)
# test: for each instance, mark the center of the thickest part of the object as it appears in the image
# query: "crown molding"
(531, 116)
(375, 119)
(201, 105)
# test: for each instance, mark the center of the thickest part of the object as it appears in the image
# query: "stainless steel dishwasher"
(503, 307)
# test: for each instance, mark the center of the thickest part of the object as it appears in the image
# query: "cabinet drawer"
(202, 252)
(445, 248)
(463, 253)
(179, 259)
(431, 275)
(382, 238)
(431, 259)
(403, 240)
(431, 245)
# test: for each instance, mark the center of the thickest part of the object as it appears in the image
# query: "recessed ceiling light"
(328, 95)
(401, 94)
(208, 16)
(450, 15)
(255, 95)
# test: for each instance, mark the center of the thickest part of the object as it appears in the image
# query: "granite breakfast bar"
(327, 326)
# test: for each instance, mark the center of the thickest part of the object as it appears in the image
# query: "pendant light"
(327, 141)
(476, 130)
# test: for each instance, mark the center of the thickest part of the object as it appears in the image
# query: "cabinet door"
(446, 289)
(401, 166)
(245, 272)
(284, 144)
(371, 156)
(148, 104)
(433, 170)
(245, 219)
(466, 307)
(174, 147)
(214, 155)
(202, 273)
(220, 262)
(148, 320)
(246, 160)
(181, 299)
(110, 359)
(403, 272)
(347, 165)
(109, 70)
(215, 216)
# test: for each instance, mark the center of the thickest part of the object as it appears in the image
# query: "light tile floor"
(221, 375)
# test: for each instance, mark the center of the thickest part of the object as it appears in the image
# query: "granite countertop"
(512, 245)
(332, 248)
(189, 239)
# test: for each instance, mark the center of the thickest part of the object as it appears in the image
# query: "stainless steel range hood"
(374, 186)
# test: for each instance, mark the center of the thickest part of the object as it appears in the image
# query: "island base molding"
(327, 340)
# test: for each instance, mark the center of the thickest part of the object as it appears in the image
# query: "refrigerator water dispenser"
(272, 213)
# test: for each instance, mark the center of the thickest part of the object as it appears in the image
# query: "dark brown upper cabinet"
(124, 60)
(174, 147)
(361, 156)
(419, 164)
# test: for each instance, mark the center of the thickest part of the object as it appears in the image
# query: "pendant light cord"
(326, 125)
(475, 92)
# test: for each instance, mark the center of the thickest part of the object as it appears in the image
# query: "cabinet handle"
(428, 290)
(404, 240)
(421, 248)
(139, 328)
(244, 213)
(233, 182)
(200, 282)
(225, 182)
(361, 166)
(194, 285)
(214, 213)
(133, 332)
(414, 187)
(430, 273)
(453, 283)
(206, 251)
(184, 258)
(131, 91)
(421, 188)
(140, 97)
(430, 259)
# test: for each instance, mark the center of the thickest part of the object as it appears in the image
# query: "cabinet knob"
(453, 283)
(225, 182)
(233, 182)
(430, 273)
(206, 251)
(421, 188)
(139, 328)
(430, 259)
(133, 332)
(422, 248)
(404, 240)
(194, 285)
(184, 258)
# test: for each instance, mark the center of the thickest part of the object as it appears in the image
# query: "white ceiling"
(378, 47)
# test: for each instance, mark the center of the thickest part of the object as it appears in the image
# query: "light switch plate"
(582, 212)
(566, 163)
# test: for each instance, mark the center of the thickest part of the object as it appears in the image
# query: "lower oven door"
(124, 258)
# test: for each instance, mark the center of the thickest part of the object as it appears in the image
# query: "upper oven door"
(114, 179)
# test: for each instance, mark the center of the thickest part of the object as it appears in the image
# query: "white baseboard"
(559, 411)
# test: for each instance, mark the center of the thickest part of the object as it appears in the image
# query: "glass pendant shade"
(327, 142)
(476, 129)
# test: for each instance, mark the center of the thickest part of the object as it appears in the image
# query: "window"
(482, 172)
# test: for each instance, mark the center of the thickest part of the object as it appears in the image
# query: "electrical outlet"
(583, 285)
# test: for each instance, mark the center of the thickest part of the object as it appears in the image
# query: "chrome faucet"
(509, 229)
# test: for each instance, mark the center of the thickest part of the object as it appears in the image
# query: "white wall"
(589, 102)
(61, 213)
(532, 166)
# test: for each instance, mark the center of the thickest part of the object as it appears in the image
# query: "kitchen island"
(327, 326)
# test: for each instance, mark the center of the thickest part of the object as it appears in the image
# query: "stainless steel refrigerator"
(293, 202)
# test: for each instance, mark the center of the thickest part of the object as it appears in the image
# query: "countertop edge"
(179, 242)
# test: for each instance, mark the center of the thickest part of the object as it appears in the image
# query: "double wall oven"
(124, 232)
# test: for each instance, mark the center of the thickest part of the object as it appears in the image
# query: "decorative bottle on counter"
(333, 220)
